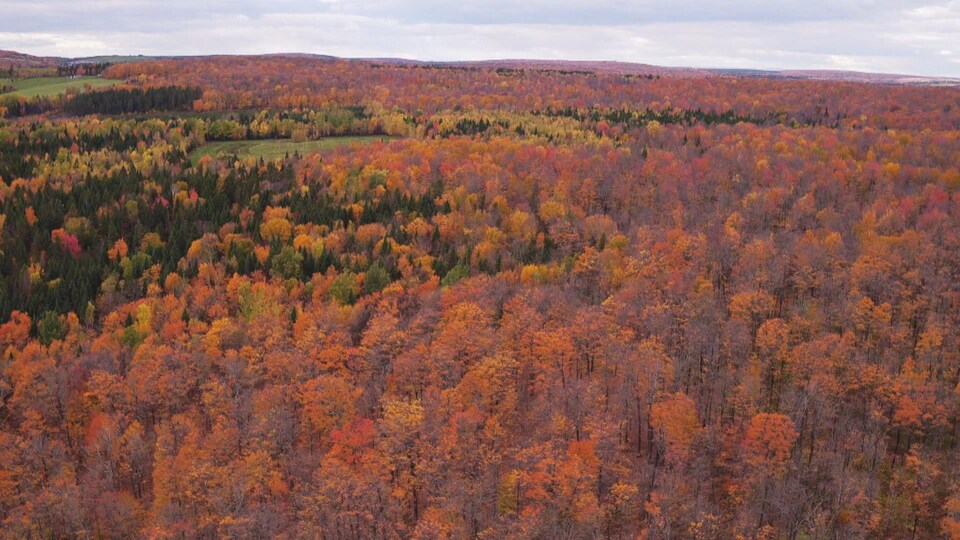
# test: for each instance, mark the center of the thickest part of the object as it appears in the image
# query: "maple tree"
(551, 304)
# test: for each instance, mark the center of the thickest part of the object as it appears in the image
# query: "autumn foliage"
(545, 305)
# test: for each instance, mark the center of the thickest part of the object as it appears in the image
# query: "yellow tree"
(400, 442)
(766, 448)
(675, 419)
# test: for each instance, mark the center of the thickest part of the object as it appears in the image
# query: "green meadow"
(51, 86)
(271, 149)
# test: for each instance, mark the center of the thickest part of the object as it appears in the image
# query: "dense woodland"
(557, 305)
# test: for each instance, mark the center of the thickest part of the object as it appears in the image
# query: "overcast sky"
(893, 36)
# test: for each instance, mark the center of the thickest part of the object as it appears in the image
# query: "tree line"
(133, 100)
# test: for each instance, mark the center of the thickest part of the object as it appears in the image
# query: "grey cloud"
(612, 12)
(31, 14)
(906, 36)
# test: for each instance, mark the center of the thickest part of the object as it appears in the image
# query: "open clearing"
(271, 149)
(51, 86)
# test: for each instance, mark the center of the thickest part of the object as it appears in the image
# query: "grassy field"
(51, 86)
(117, 59)
(271, 149)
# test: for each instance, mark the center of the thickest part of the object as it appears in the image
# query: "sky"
(920, 37)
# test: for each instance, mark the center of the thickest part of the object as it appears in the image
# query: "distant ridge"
(17, 59)
(21, 60)
(600, 66)
(631, 68)
(858, 76)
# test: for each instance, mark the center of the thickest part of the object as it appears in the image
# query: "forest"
(545, 304)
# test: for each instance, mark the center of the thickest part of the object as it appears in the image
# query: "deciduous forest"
(543, 304)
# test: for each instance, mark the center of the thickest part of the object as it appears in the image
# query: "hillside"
(293, 296)
(16, 59)
(606, 67)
